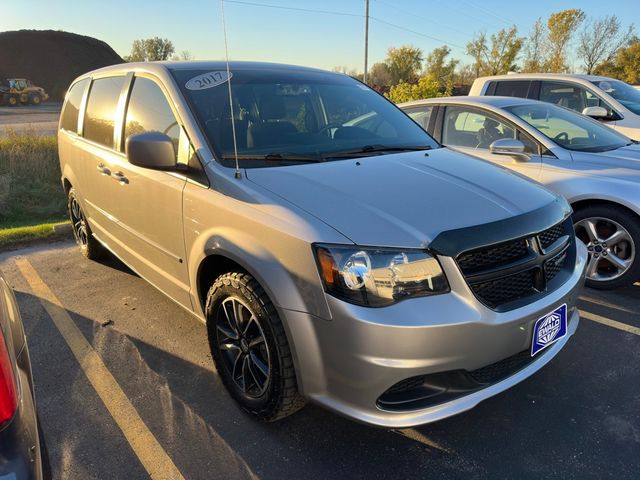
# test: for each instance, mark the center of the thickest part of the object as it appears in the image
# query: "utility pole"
(366, 39)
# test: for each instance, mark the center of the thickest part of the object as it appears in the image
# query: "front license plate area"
(549, 329)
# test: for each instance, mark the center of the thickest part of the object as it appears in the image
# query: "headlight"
(376, 277)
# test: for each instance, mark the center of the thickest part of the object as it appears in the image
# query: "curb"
(64, 229)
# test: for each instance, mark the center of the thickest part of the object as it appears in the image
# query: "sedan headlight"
(376, 277)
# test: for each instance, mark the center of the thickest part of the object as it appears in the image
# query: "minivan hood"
(404, 199)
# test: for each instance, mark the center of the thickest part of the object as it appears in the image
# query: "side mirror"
(595, 112)
(153, 150)
(509, 147)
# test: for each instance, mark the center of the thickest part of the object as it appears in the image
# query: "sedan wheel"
(610, 235)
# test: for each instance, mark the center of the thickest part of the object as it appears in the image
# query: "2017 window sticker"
(208, 80)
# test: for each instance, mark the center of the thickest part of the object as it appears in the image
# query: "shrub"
(30, 189)
(427, 87)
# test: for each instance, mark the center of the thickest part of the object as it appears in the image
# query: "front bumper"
(348, 362)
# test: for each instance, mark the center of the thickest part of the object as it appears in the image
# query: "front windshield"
(622, 92)
(569, 129)
(286, 115)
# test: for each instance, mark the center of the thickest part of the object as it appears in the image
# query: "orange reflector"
(327, 267)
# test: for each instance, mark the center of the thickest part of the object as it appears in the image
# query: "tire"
(89, 246)
(24, 99)
(35, 99)
(607, 220)
(12, 100)
(270, 396)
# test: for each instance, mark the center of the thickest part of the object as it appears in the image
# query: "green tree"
(561, 27)
(496, 55)
(600, 40)
(150, 50)
(427, 87)
(404, 64)
(534, 59)
(625, 65)
(184, 55)
(440, 66)
(379, 75)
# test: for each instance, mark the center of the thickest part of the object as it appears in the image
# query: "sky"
(288, 31)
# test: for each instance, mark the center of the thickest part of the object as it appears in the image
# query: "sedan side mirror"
(153, 150)
(509, 147)
(595, 112)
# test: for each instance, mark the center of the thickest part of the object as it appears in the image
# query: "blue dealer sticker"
(548, 329)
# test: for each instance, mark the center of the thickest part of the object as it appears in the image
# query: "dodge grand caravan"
(336, 252)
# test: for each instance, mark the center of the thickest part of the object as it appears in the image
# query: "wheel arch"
(590, 202)
(219, 263)
(229, 250)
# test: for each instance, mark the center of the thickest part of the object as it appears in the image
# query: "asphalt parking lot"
(41, 119)
(577, 418)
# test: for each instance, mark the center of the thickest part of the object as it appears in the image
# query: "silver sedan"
(594, 167)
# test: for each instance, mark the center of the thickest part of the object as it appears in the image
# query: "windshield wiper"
(367, 149)
(275, 157)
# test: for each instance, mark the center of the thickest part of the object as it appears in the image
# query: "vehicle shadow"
(574, 419)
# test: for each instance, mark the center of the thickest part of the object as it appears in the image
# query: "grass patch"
(17, 235)
(30, 189)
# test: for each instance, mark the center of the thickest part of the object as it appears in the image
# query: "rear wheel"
(24, 98)
(12, 100)
(612, 236)
(89, 246)
(250, 349)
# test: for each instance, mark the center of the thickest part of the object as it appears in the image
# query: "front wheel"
(35, 99)
(89, 246)
(611, 234)
(250, 349)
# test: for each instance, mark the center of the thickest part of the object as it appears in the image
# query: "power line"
(489, 12)
(384, 22)
(333, 12)
(413, 15)
(297, 9)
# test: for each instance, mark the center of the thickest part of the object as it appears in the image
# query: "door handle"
(119, 177)
(103, 169)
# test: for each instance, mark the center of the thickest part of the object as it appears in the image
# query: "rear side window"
(512, 88)
(101, 110)
(149, 111)
(69, 117)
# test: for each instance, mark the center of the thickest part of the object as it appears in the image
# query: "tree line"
(603, 46)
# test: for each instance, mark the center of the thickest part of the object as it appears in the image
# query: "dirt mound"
(52, 59)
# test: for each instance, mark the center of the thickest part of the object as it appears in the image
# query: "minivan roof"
(162, 67)
(556, 76)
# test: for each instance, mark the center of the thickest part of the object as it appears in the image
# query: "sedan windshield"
(622, 92)
(284, 116)
(569, 129)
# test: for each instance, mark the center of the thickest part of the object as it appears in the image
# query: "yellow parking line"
(152, 456)
(609, 323)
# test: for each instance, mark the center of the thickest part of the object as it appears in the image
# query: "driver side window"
(471, 128)
(148, 111)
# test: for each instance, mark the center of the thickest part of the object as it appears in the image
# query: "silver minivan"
(611, 101)
(335, 251)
